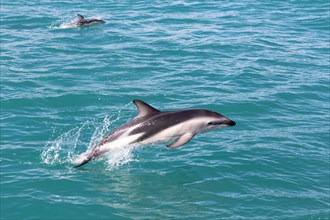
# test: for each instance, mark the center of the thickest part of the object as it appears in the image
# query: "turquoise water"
(264, 64)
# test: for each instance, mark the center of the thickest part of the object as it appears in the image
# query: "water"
(264, 64)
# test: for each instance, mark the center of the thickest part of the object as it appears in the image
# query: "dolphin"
(154, 126)
(86, 22)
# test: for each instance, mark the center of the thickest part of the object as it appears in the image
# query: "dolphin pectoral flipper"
(182, 140)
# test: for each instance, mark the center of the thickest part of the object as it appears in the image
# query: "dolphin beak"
(229, 123)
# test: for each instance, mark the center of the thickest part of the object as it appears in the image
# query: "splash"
(118, 156)
(64, 148)
(68, 147)
(63, 24)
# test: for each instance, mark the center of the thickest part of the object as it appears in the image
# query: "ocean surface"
(264, 64)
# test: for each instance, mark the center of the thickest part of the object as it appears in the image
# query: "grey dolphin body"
(154, 126)
(86, 22)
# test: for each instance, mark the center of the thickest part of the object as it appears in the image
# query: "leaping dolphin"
(154, 126)
(85, 22)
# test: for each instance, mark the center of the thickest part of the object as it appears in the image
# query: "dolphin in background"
(154, 126)
(85, 22)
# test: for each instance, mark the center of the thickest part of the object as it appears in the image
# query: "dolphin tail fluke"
(82, 161)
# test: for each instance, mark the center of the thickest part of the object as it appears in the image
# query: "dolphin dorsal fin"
(80, 17)
(144, 108)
